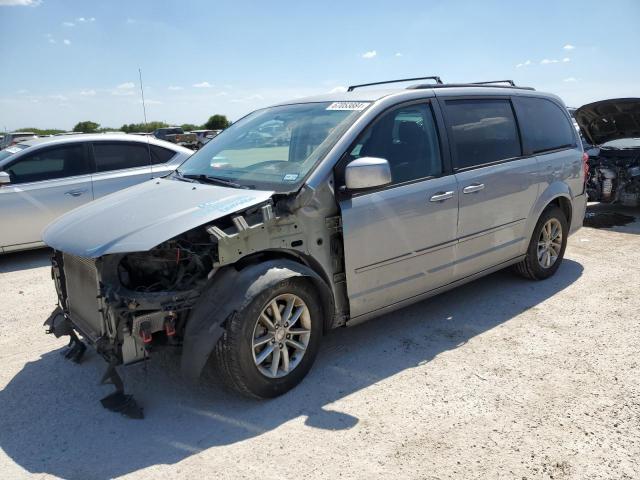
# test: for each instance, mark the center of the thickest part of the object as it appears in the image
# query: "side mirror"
(367, 172)
(5, 179)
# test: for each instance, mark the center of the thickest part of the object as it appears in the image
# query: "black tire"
(530, 267)
(233, 358)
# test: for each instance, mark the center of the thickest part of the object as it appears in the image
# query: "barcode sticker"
(356, 106)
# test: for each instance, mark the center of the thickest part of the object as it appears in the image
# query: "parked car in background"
(203, 136)
(15, 137)
(176, 135)
(612, 128)
(43, 178)
(251, 250)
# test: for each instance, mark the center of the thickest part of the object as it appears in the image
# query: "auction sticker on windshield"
(357, 106)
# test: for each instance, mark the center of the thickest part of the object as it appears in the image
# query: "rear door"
(399, 240)
(548, 133)
(119, 165)
(497, 184)
(44, 184)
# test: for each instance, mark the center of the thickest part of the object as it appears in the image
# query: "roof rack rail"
(453, 85)
(434, 78)
(510, 82)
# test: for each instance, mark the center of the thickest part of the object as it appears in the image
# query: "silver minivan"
(316, 214)
(43, 178)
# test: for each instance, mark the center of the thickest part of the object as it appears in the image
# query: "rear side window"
(544, 125)
(119, 155)
(160, 154)
(482, 131)
(48, 164)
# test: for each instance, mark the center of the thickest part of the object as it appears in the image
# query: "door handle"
(75, 193)
(475, 187)
(441, 196)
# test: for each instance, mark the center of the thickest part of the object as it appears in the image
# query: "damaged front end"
(129, 304)
(126, 304)
(613, 128)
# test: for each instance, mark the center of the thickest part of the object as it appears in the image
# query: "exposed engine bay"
(612, 129)
(614, 176)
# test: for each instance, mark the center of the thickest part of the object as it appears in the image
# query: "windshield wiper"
(214, 180)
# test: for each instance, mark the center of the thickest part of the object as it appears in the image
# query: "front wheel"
(546, 247)
(269, 346)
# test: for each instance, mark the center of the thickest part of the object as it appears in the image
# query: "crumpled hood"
(608, 120)
(140, 217)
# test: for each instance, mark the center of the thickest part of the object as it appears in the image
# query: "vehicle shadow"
(51, 421)
(17, 261)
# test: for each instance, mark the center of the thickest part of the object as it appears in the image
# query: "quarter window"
(407, 138)
(544, 125)
(48, 164)
(119, 155)
(161, 155)
(482, 131)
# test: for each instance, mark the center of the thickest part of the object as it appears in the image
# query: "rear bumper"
(579, 207)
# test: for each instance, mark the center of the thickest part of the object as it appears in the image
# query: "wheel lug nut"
(286, 324)
(280, 345)
(288, 336)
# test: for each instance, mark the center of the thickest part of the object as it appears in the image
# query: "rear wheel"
(546, 247)
(270, 345)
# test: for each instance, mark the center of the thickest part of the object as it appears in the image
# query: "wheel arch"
(557, 194)
(230, 290)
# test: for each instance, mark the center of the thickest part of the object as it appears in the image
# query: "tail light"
(585, 165)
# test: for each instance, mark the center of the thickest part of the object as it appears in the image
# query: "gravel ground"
(501, 378)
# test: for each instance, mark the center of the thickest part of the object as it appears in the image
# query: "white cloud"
(546, 61)
(61, 98)
(568, 46)
(570, 79)
(523, 64)
(248, 99)
(81, 19)
(66, 41)
(22, 91)
(222, 94)
(369, 54)
(124, 89)
(338, 89)
(68, 24)
(398, 54)
(175, 87)
(51, 40)
(566, 59)
(130, 21)
(20, 3)
(150, 102)
(202, 85)
(88, 93)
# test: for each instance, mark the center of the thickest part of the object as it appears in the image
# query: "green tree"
(217, 122)
(41, 131)
(86, 127)
(143, 127)
(187, 127)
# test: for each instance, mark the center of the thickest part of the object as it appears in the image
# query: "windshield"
(7, 152)
(274, 148)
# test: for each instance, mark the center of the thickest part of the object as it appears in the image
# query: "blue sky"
(66, 60)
